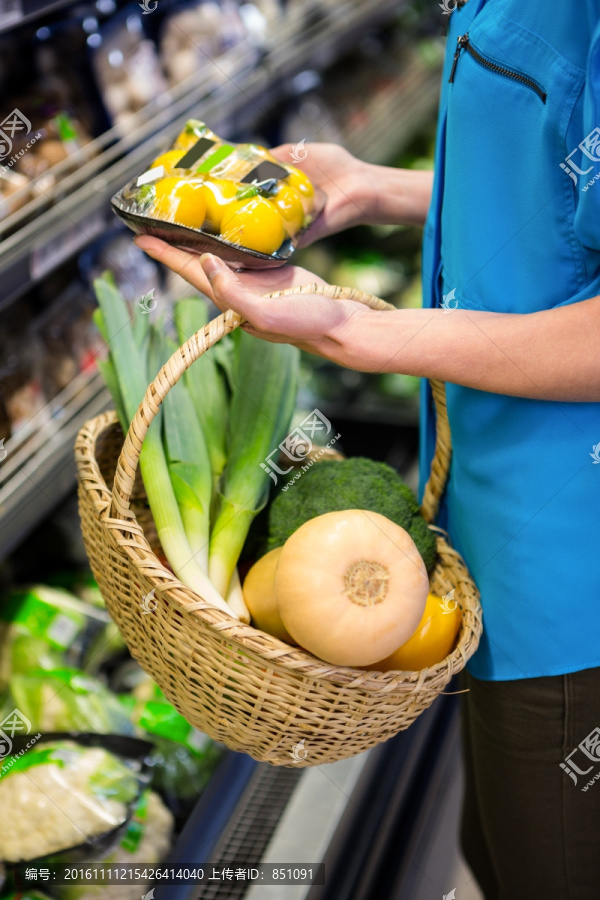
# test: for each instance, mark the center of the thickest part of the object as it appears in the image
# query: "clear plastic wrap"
(235, 200)
(59, 795)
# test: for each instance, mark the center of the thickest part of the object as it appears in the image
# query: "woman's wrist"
(387, 196)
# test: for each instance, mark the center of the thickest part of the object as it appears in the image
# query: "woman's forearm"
(394, 196)
(549, 355)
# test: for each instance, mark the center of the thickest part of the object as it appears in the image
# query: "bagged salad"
(209, 195)
(146, 841)
(40, 615)
(60, 794)
(183, 759)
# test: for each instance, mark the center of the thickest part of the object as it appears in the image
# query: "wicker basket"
(235, 683)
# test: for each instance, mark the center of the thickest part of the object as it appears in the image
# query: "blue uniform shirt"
(514, 227)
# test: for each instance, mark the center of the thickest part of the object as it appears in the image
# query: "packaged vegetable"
(197, 34)
(66, 700)
(126, 66)
(102, 645)
(235, 200)
(146, 841)
(180, 774)
(64, 622)
(148, 708)
(15, 192)
(59, 795)
(183, 759)
(21, 652)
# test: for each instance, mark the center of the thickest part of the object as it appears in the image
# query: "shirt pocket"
(508, 240)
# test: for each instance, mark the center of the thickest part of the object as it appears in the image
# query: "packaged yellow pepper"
(235, 200)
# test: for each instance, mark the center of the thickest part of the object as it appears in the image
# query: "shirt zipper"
(464, 43)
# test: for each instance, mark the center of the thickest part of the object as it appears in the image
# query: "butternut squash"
(350, 587)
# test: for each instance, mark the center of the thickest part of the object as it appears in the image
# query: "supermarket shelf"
(199, 840)
(234, 93)
(37, 474)
(39, 469)
(14, 13)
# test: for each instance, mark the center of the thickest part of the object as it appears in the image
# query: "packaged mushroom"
(235, 200)
(196, 34)
(127, 67)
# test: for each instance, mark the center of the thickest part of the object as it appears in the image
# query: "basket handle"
(202, 341)
(440, 463)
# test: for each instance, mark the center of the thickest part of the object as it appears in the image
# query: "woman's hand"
(312, 322)
(342, 178)
(360, 193)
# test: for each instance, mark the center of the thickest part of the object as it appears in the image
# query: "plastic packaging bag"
(59, 795)
(66, 700)
(126, 66)
(64, 622)
(146, 841)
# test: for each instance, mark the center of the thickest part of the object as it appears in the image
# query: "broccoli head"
(354, 483)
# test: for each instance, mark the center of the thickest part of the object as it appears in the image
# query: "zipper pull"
(461, 43)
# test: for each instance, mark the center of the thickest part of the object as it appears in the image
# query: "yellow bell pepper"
(433, 640)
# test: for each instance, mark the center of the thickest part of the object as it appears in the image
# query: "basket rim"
(295, 659)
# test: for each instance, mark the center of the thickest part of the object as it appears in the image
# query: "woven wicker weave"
(235, 683)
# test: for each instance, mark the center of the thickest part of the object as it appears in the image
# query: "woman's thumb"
(228, 291)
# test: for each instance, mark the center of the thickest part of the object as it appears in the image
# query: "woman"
(511, 321)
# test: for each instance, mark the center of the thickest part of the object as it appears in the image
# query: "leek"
(206, 384)
(107, 370)
(262, 404)
(235, 598)
(187, 455)
(130, 368)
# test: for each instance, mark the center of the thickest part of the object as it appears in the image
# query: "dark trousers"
(530, 828)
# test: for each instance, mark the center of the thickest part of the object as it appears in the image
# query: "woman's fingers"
(229, 292)
(262, 281)
(291, 318)
(187, 265)
(309, 321)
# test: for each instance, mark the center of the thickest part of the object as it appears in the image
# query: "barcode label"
(11, 11)
(48, 256)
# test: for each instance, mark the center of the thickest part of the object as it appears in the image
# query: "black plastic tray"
(196, 241)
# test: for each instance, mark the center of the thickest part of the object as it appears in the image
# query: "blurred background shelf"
(61, 220)
(373, 88)
(14, 13)
(40, 471)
